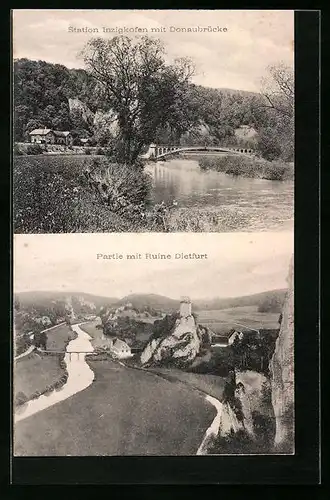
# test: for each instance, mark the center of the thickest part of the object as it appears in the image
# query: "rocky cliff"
(282, 375)
(179, 347)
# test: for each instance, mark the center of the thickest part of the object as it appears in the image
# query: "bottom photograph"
(153, 344)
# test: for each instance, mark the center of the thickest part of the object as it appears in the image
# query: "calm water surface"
(270, 202)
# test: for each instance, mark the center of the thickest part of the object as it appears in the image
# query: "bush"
(88, 151)
(18, 151)
(34, 149)
(100, 151)
(20, 399)
(249, 167)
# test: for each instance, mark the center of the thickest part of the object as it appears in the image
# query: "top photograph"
(152, 121)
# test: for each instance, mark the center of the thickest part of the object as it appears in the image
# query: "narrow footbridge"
(54, 351)
(157, 152)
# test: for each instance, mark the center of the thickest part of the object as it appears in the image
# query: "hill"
(257, 299)
(154, 301)
(46, 298)
(53, 96)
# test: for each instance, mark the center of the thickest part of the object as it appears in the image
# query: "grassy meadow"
(37, 371)
(247, 315)
(34, 373)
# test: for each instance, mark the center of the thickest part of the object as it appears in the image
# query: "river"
(80, 376)
(270, 203)
(124, 412)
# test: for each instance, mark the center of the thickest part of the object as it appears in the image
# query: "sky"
(236, 58)
(237, 264)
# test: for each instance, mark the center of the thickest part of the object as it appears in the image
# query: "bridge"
(157, 152)
(54, 351)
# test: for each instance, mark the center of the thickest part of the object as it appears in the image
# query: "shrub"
(249, 167)
(20, 399)
(87, 151)
(34, 149)
(18, 151)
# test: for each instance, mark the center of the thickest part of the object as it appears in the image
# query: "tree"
(274, 114)
(137, 84)
(278, 89)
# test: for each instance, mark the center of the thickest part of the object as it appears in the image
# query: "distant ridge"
(156, 301)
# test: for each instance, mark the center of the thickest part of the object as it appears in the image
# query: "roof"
(60, 133)
(41, 131)
(45, 131)
(120, 344)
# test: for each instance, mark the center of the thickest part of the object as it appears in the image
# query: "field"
(57, 338)
(124, 412)
(247, 316)
(35, 372)
(210, 384)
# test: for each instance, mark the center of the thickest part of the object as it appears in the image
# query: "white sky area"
(234, 59)
(237, 264)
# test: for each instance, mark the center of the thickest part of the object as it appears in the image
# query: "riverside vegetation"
(249, 167)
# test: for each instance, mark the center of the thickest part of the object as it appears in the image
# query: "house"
(48, 136)
(42, 136)
(223, 334)
(120, 349)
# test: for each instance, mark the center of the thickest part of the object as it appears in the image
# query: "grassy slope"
(45, 298)
(36, 371)
(210, 384)
(124, 412)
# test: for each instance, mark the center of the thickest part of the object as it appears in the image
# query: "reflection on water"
(183, 181)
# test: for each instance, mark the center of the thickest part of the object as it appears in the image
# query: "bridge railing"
(157, 151)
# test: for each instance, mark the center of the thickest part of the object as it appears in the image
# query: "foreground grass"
(124, 412)
(51, 195)
(249, 167)
(209, 384)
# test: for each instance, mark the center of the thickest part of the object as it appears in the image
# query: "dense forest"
(53, 96)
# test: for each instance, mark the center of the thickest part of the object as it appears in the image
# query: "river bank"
(39, 372)
(76, 375)
(123, 412)
(182, 197)
(246, 166)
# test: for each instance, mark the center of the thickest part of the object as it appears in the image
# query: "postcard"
(153, 216)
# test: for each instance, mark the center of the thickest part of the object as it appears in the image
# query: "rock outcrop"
(180, 347)
(282, 375)
(78, 107)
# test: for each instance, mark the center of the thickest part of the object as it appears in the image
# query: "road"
(124, 412)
